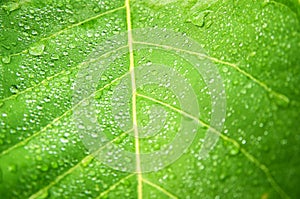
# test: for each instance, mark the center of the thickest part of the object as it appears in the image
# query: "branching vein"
(160, 189)
(24, 142)
(70, 27)
(250, 157)
(114, 186)
(236, 67)
(87, 158)
(63, 72)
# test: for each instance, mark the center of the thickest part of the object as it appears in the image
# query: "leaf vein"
(63, 72)
(25, 141)
(232, 65)
(249, 156)
(72, 169)
(160, 189)
(284, 6)
(68, 28)
(114, 186)
(134, 113)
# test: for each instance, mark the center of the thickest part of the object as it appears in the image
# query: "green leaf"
(45, 46)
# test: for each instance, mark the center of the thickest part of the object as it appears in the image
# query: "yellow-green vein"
(134, 115)
(114, 186)
(285, 6)
(236, 67)
(63, 72)
(25, 141)
(250, 157)
(87, 158)
(160, 189)
(70, 27)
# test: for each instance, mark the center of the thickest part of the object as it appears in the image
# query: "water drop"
(26, 27)
(65, 79)
(198, 18)
(156, 147)
(12, 168)
(252, 54)
(96, 9)
(11, 6)
(64, 140)
(54, 165)
(72, 46)
(222, 176)
(283, 142)
(225, 69)
(104, 78)
(34, 32)
(43, 167)
(89, 34)
(6, 59)
(72, 20)
(234, 151)
(92, 173)
(14, 89)
(55, 57)
(37, 50)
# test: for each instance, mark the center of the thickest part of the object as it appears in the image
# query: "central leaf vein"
(134, 113)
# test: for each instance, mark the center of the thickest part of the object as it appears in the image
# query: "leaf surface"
(255, 46)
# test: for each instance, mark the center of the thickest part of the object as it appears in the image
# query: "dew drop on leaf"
(43, 167)
(198, 18)
(55, 57)
(65, 79)
(222, 176)
(54, 165)
(12, 168)
(234, 151)
(64, 140)
(72, 20)
(72, 45)
(89, 34)
(14, 89)
(37, 50)
(11, 6)
(26, 27)
(6, 59)
(225, 69)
